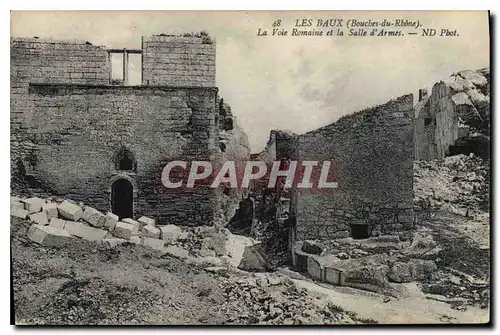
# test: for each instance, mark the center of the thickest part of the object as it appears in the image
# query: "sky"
(296, 83)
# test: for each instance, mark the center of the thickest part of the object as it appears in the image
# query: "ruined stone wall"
(460, 100)
(441, 104)
(372, 160)
(35, 60)
(178, 61)
(76, 132)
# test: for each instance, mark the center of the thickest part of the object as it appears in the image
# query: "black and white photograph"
(255, 168)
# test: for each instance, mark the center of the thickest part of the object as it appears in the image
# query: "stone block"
(48, 236)
(15, 202)
(94, 217)
(18, 212)
(150, 231)
(111, 221)
(83, 231)
(135, 239)
(136, 225)
(70, 211)
(123, 230)
(33, 205)
(58, 223)
(314, 268)
(332, 276)
(40, 218)
(170, 233)
(144, 221)
(51, 210)
(153, 243)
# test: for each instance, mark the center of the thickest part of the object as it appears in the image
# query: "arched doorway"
(122, 198)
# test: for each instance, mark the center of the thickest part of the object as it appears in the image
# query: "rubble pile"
(459, 184)
(276, 301)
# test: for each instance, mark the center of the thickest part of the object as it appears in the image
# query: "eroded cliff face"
(471, 95)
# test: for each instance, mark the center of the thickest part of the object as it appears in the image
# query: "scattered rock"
(40, 218)
(153, 243)
(33, 205)
(48, 236)
(70, 211)
(83, 231)
(50, 209)
(144, 221)
(400, 273)
(170, 233)
(123, 230)
(18, 212)
(135, 225)
(150, 231)
(94, 217)
(57, 223)
(313, 247)
(111, 221)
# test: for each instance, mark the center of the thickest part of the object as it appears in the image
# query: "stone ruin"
(61, 145)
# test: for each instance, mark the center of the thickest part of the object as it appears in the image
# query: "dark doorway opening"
(122, 199)
(360, 231)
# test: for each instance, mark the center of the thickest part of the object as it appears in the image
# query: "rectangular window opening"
(126, 67)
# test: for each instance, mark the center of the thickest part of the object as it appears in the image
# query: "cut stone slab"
(113, 242)
(94, 217)
(135, 239)
(111, 221)
(48, 236)
(15, 202)
(58, 223)
(144, 221)
(33, 205)
(170, 233)
(70, 211)
(123, 230)
(153, 243)
(151, 231)
(134, 223)
(40, 218)
(51, 210)
(18, 212)
(81, 230)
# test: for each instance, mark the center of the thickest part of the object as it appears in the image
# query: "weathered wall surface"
(75, 147)
(455, 105)
(178, 61)
(34, 60)
(372, 160)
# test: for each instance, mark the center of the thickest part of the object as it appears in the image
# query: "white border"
(184, 5)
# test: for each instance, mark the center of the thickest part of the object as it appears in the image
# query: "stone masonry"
(75, 134)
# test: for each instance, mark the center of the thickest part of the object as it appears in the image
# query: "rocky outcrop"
(471, 96)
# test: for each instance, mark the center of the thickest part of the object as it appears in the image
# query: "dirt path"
(415, 309)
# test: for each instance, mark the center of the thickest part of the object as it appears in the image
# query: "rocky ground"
(90, 283)
(456, 192)
(93, 283)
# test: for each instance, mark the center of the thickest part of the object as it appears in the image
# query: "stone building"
(371, 155)
(77, 133)
(456, 107)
